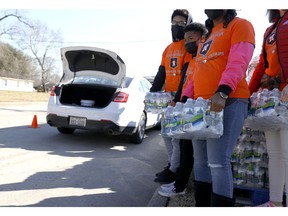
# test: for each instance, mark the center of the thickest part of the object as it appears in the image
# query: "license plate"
(77, 121)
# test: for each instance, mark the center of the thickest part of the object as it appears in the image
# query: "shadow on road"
(79, 170)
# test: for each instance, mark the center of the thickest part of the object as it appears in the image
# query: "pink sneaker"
(268, 204)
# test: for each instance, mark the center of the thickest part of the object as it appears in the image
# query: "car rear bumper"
(101, 126)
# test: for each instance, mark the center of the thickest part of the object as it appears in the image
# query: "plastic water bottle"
(282, 109)
(159, 102)
(188, 115)
(272, 101)
(212, 118)
(167, 121)
(274, 95)
(258, 150)
(153, 100)
(241, 178)
(200, 107)
(254, 104)
(163, 100)
(167, 98)
(177, 128)
(254, 100)
(235, 158)
(213, 124)
(259, 180)
(148, 102)
(263, 96)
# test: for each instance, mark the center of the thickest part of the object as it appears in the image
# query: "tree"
(9, 15)
(41, 43)
(14, 63)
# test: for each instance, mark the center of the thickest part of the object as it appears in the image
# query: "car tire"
(64, 130)
(138, 137)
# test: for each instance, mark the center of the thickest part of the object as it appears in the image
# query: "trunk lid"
(92, 65)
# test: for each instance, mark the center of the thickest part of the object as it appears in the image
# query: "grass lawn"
(16, 96)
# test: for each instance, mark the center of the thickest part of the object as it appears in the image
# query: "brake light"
(122, 97)
(52, 92)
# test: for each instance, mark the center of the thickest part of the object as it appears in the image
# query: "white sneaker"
(170, 191)
(167, 185)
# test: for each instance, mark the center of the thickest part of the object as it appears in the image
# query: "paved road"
(40, 167)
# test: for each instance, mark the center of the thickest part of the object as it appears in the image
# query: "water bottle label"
(187, 126)
(197, 120)
(268, 106)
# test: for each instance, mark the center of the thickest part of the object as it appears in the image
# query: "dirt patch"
(15, 96)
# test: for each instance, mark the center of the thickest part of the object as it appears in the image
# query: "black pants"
(186, 165)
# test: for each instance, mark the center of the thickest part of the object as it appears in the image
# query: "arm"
(159, 80)
(255, 81)
(237, 64)
(179, 90)
(188, 91)
(238, 60)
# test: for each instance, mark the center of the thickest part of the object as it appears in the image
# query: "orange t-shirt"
(189, 73)
(212, 58)
(173, 59)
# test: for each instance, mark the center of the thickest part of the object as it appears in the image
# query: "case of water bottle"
(156, 102)
(250, 160)
(267, 111)
(192, 119)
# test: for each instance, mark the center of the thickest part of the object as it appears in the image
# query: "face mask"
(191, 47)
(177, 32)
(214, 14)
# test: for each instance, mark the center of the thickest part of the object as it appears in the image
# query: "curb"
(158, 200)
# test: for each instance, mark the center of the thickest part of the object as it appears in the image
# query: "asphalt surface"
(186, 200)
(40, 167)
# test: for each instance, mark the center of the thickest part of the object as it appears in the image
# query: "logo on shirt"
(271, 38)
(173, 62)
(206, 47)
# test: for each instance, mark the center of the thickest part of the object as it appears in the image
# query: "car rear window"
(127, 82)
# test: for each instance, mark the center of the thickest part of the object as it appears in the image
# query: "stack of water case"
(250, 158)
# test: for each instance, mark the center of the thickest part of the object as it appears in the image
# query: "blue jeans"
(212, 157)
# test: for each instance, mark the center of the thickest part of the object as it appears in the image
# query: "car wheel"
(138, 137)
(64, 130)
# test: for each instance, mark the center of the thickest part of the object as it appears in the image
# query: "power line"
(88, 42)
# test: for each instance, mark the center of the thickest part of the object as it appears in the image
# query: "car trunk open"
(104, 66)
(72, 94)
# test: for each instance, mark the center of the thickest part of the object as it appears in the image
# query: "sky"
(138, 31)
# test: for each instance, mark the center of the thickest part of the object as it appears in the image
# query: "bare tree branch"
(10, 30)
(41, 42)
(19, 18)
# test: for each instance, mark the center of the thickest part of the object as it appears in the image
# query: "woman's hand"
(217, 103)
(270, 82)
(172, 103)
(284, 94)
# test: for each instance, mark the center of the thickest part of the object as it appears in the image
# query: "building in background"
(12, 84)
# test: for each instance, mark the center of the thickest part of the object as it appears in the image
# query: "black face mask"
(177, 32)
(191, 48)
(214, 14)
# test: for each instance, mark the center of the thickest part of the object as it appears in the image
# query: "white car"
(94, 93)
